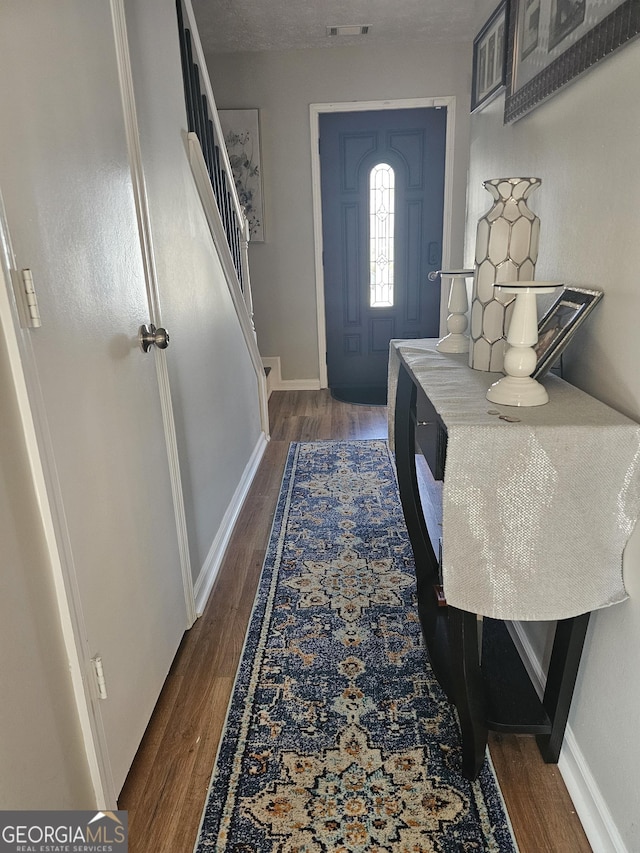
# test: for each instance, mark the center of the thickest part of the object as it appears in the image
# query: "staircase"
(216, 187)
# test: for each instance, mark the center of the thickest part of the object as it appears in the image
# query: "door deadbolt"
(148, 337)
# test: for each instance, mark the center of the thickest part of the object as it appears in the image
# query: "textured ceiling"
(228, 26)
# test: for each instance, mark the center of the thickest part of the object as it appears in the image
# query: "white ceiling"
(229, 26)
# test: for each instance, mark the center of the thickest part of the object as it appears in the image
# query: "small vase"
(506, 250)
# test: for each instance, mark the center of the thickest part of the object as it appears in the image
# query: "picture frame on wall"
(490, 58)
(241, 131)
(558, 325)
(552, 42)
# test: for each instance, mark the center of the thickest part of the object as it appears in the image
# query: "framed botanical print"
(242, 137)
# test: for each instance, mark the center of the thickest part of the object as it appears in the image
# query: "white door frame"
(359, 106)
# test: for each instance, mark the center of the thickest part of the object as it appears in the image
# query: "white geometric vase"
(506, 250)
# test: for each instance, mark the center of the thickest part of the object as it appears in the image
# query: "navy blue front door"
(411, 142)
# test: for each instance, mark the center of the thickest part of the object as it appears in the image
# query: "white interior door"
(66, 182)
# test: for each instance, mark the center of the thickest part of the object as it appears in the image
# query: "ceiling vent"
(348, 30)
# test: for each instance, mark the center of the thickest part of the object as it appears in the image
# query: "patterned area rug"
(338, 738)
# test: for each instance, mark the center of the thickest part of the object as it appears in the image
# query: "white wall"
(213, 383)
(583, 143)
(282, 85)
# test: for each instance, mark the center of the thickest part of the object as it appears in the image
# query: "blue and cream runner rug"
(338, 737)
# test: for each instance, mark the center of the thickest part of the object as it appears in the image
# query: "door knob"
(148, 337)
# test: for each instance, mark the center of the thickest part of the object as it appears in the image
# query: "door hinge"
(29, 300)
(98, 671)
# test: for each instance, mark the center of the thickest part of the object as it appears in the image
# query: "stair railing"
(216, 187)
(202, 119)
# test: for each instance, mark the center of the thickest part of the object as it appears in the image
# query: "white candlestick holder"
(518, 388)
(458, 304)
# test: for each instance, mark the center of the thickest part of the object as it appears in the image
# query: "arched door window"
(381, 228)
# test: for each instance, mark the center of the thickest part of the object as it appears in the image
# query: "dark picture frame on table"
(558, 325)
(552, 42)
(490, 58)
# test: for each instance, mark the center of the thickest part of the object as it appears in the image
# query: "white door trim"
(153, 293)
(358, 106)
(51, 509)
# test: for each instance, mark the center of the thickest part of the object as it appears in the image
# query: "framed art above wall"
(551, 42)
(242, 137)
(490, 58)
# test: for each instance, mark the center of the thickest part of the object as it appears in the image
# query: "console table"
(537, 506)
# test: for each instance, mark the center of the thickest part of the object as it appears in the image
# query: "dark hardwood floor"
(167, 785)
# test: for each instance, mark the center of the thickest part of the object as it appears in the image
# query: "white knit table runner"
(536, 514)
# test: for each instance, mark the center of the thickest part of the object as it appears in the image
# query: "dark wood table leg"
(469, 689)
(405, 452)
(433, 619)
(561, 680)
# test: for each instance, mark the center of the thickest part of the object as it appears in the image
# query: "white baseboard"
(592, 810)
(589, 803)
(209, 571)
(298, 385)
(275, 382)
